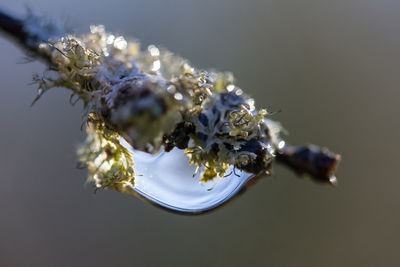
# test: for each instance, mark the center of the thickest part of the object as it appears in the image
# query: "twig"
(312, 160)
(319, 163)
(13, 27)
(29, 32)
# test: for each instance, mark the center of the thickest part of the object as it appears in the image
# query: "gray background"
(331, 66)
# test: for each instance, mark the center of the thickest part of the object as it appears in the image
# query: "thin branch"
(13, 27)
(28, 32)
(319, 163)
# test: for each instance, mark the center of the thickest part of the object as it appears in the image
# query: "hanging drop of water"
(167, 180)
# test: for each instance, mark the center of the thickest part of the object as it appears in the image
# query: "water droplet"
(171, 89)
(156, 65)
(167, 180)
(110, 39)
(97, 29)
(281, 144)
(239, 92)
(120, 43)
(153, 50)
(251, 104)
(178, 96)
(230, 88)
(333, 180)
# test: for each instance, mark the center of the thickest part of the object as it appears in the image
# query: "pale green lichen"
(109, 163)
(155, 100)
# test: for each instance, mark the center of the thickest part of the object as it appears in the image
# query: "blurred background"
(332, 67)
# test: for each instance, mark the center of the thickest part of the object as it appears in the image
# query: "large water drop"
(167, 180)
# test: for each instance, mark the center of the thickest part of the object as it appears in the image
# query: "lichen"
(109, 163)
(156, 101)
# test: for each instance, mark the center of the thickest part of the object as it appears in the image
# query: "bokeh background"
(332, 67)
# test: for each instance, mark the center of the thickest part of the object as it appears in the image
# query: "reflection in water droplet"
(167, 180)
